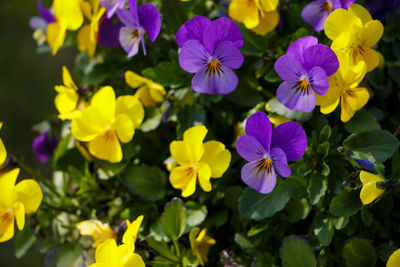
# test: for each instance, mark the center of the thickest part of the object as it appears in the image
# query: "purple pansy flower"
(112, 6)
(146, 17)
(305, 69)
(108, 35)
(316, 12)
(268, 150)
(44, 146)
(211, 49)
(46, 17)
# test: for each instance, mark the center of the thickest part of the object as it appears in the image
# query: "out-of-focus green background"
(27, 82)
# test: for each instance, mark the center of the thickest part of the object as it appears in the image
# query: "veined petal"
(134, 80)
(6, 227)
(222, 82)
(267, 23)
(229, 55)
(320, 83)
(242, 11)
(250, 149)
(291, 138)
(106, 147)
(298, 47)
(353, 100)
(19, 212)
(372, 32)
(29, 194)
(124, 128)
(193, 56)
(370, 56)
(130, 39)
(204, 174)
(131, 106)
(260, 180)
(259, 126)
(192, 29)
(216, 157)
(193, 139)
(184, 178)
(279, 162)
(150, 20)
(289, 68)
(287, 94)
(315, 14)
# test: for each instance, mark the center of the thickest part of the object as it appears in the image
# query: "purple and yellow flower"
(137, 20)
(112, 6)
(305, 69)
(316, 12)
(211, 50)
(268, 150)
(44, 146)
(39, 23)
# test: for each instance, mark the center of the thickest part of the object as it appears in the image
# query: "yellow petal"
(131, 233)
(94, 24)
(66, 101)
(106, 147)
(353, 100)
(193, 139)
(124, 127)
(360, 12)
(370, 192)
(278, 119)
(179, 152)
(371, 58)
(216, 157)
(268, 5)
(7, 186)
(343, 42)
(106, 253)
(157, 91)
(133, 260)
(372, 33)
(267, 23)
(130, 106)
(134, 80)
(55, 35)
(3, 152)
(104, 102)
(6, 227)
(29, 194)
(86, 10)
(330, 100)
(19, 211)
(143, 93)
(84, 41)
(204, 173)
(394, 259)
(244, 11)
(355, 74)
(341, 21)
(67, 79)
(184, 178)
(68, 12)
(367, 177)
(88, 125)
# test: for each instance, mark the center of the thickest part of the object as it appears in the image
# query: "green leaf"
(324, 230)
(189, 116)
(153, 119)
(167, 73)
(346, 203)
(66, 255)
(162, 248)
(149, 182)
(196, 213)
(340, 223)
(374, 145)
(317, 188)
(23, 242)
(173, 220)
(325, 133)
(361, 122)
(244, 242)
(358, 252)
(107, 170)
(174, 14)
(295, 252)
(264, 260)
(257, 206)
(297, 209)
(278, 108)
(396, 165)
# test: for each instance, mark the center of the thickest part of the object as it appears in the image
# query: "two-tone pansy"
(39, 23)
(200, 244)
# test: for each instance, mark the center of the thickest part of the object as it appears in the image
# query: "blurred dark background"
(27, 82)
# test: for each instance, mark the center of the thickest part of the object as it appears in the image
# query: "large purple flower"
(136, 20)
(112, 6)
(268, 150)
(44, 146)
(316, 12)
(211, 50)
(305, 69)
(46, 17)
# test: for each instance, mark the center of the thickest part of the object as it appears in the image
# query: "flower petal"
(315, 14)
(353, 100)
(193, 139)
(124, 128)
(217, 157)
(288, 95)
(19, 212)
(341, 21)
(3, 152)
(291, 138)
(111, 6)
(7, 228)
(372, 32)
(298, 47)
(130, 40)
(321, 56)
(394, 259)
(250, 149)
(45, 13)
(106, 147)
(279, 162)
(262, 181)
(184, 178)
(7, 185)
(106, 253)
(193, 56)
(134, 80)
(29, 194)
(242, 11)
(179, 152)
(131, 106)
(371, 58)
(360, 12)
(133, 260)
(370, 192)
(229, 54)
(267, 23)
(289, 68)
(259, 126)
(192, 29)
(204, 173)
(150, 20)
(210, 83)
(330, 100)
(320, 83)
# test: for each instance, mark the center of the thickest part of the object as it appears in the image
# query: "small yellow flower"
(394, 259)
(200, 243)
(108, 254)
(68, 16)
(259, 16)
(16, 201)
(149, 92)
(87, 36)
(197, 160)
(99, 231)
(344, 87)
(3, 151)
(369, 191)
(354, 32)
(106, 122)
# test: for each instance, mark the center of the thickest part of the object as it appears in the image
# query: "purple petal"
(128, 42)
(262, 181)
(291, 138)
(221, 83)
(45, 13)
(229, 55)
(38, 23)
(321, 56)
(222, 29)
(133, 9)
(127, 18)
(44, 146)
(112, 6)
(259, 126)
(315, 14)
(249, 148)
(279, 161)
(193, 56)
(108, 35)
(320, 83)
(150, 20)
(289, 68)
(288, 95)
(346, 3)
(192, 29)
(299, 46)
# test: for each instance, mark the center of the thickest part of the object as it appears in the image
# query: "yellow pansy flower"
(259, 16)
(68, 16)
(344, 87)
(369, 191)
(149, 92)
(197, 160)
(106, 122)
(200, 243)
(108, 254)
(394, 259)
(354, 32)
(87, 36)
(99, 231)
(16, 201)
(3, 151)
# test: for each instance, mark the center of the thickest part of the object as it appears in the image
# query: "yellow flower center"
(190, 171)
(358, 51)
(214, 67)
(109, 135)
(7, 217)
(303, 85)
(327, 6)
(265, 165)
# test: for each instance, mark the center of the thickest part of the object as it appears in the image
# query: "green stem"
(176, 246)
(35, 174)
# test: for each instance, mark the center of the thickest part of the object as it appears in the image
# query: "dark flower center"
(265, 165)
(358, 51)
(327, 6)
(214, 67)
